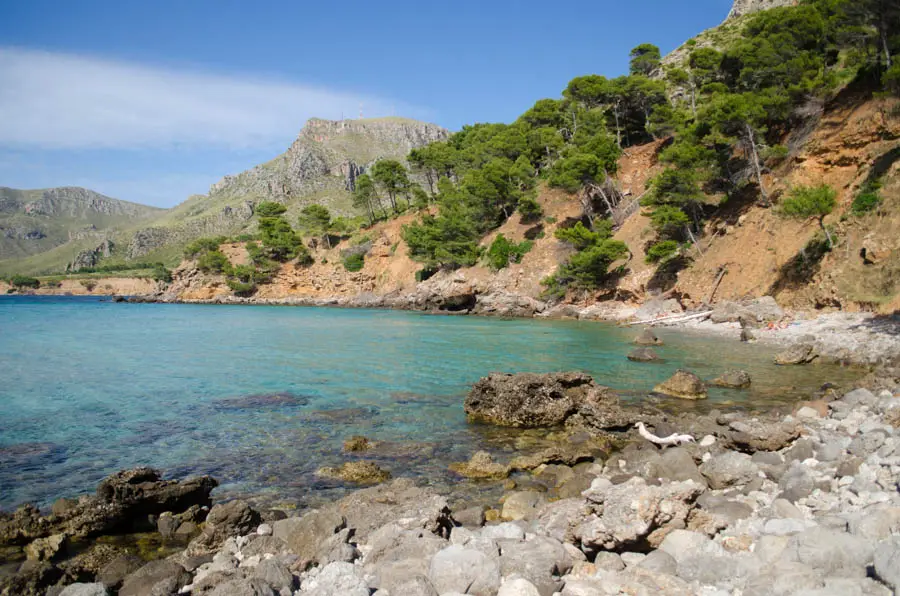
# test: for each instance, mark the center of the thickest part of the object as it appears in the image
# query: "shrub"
(88, 284)
(530, 209)
(811, 201)
(241, 288)
(662, 251)
(161, 273)
(269, 209)
(213, 261)
(502, 252)
(202, 245)
(23, 281)
(53, 284)
(354, 262)
(865, 202)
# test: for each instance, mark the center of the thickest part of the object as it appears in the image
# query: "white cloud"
(62, 101)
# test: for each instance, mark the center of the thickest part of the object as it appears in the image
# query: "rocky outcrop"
(744, 7)
(122, 500)
(643, 355)
(357, 472)
(90, 258)
(802, 353)
(528, 400)
(733, 379)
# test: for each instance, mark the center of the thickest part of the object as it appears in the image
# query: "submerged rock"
(684, 385)
(643, 355)
(529, 400)
(359, 472)
(733, 379)
(358, 443)
(262, 400)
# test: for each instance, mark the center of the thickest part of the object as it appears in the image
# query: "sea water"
(261, 397)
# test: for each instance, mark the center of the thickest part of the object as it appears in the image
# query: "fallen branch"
(672, 319)
(673, 439)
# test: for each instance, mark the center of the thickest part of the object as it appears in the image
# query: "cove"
(260, 397)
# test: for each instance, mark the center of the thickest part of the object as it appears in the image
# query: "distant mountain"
(49, 230)
(33, 222)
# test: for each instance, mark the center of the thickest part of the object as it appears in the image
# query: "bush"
(161, 273)
(213, 261)
(269, 209)
(88, 284)
(530, 209)
(662, 251)
(354, 262)
(502, 252)
(865, 202)
(53, 284)
(202, 245)
(241, 288)
(23, 281)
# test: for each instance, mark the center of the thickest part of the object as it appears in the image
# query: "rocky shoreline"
(861, 339)
(720, 503)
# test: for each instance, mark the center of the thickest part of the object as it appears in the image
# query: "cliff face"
(742, 7)
(33, 222)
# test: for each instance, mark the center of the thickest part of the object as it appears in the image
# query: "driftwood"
(673, 439)
(672, 319)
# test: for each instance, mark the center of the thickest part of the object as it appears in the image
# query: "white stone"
(264, 530)
(518, 587)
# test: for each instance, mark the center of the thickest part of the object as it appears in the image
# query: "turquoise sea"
(260, 397)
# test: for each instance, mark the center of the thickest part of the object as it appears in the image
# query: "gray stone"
(732, 379)
(797, 483)
(683, 384)
(647, 338)
(729, 469)
(860, 397)
(609, 561)
(471, 517)
(397, 555)
(114, 573)
(876, 524)
(801, 450)
(659, 561)
(797, 354)
(96, 589)
(866, 443)
(518, 587)
(154, 578)
(676, 464)
(337, 579)
(522, 505)
(887, 562)
(643, 355)
(830, 451)
(417, 586)
(275, 573)
(835, 553)
(558, 518)
(632, 559)
(504, 531)
(785, 527)
(683, 544)
(783, 578)
(264, 545)
(459, 569)
(243, 587)
(543, 561)
(785, 509)
(235, 518)
(303, 535)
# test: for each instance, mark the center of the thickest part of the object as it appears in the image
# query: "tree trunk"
(751, 137)
(884, 42)
(618, 129)
(393, 201)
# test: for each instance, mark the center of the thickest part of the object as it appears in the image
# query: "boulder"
(732, 379)
(542, 561)
(416, 508)
(114, 573)
(357, 472)
(529, 400)
(760, 310)
(253, 586)
(684, 385)
(627, 513)
(155, 578)
(518, 586)
(756, 435)
(465, 571)
(648, 338)
(643, 355)
(481, 466)
(797, 354)
(887, 562)
(337, 579)
(676, 464)
(94, 589)
(358, 443)
(522, 505)
(303, 535)
(833, 553)
(235, 518)
(729, 469)
(45, 549)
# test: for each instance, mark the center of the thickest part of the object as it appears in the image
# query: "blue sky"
(154, 101)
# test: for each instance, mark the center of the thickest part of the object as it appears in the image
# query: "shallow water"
(260, 397)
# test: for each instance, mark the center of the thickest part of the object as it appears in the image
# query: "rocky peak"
(742, 7)
(71, 201)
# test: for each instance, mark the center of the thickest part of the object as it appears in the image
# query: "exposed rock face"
(528, 400)
(743, 7)
(91, 258)
(683, 384)
(147, 240)
(121, 499)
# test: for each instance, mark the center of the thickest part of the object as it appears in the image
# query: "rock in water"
(357, 443)
(481, 466)
(734, 379)
(797, 354)
(683, 384)
(359, 472)
(643, 355)
(648, 338)
(528, 400)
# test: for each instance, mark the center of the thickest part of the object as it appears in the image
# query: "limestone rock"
(481, 466)
(94, 589)
(235, 518)
(303, 535)
(463, 570)
(684, 385)
(337, 579)
(522, 505)
(745, 7)
(44, 549)
(797, 354)
(887, 562)
(757, 435)
(358, 472)
(648, 338)
(542, 561)
(733, 379)
(643, 355)
(154, 578)
(528, 400)
(729, 469)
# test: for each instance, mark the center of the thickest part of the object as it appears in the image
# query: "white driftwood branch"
(673, 439)
(679, 318)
